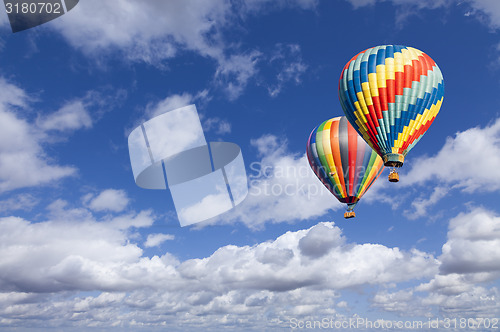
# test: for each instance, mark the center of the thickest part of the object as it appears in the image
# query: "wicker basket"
(394, 177)
(349, 214)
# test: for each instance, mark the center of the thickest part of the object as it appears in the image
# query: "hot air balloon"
(391, 94)
(343, 161)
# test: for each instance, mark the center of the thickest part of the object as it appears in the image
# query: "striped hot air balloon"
(343, 161)
(391, 94)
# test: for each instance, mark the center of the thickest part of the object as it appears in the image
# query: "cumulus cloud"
(23, 158)
(170, 103)
(302, 263)
(319, 241)
(23, 162)
(221, 127)
(459, 165)
(100, 28)
(210, 205)
(473, 242)
(126, 25)
(179, 100)
(63, 254)
(467, 300)
(155, 240)
(237, 284)
(460, 155)
(179, 25)
(399, 301)
(108, 200)
(468, 264)
(19, 202)
(39, 260)
(71, 116)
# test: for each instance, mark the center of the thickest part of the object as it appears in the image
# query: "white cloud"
(288, 59)
(486, 11)
(463, 154)
(12, 95)
(290, 276)
(234, 72)
(108, 200)
(72, 251)
(71, 116)
(257, 5)
(221, 127)
(4, 20)
(460, 164)
(458, 295)
(19, 202)
(362, 3)
(23, 162)
(126, 25)
(452, 298)
(192, 211)
(468, 265)
(99, 28)
(295, 261)
(320, 240)
(399, 301)
(419, 4)
(174, 131)
(155, 240)
(489, 8)
(168, 104)
(473, 242)
(477, 302)
(179, 25)
(421, 204)
(75, 252)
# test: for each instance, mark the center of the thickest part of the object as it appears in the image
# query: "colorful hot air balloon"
(345, 164)
(391, 94)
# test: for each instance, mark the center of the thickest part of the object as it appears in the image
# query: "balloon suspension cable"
(393, 175)
(350, 206)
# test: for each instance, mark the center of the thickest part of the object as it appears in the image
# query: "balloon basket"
(393, 160)
(349, 214)
(393, 176)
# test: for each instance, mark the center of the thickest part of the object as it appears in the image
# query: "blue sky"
(81, 245)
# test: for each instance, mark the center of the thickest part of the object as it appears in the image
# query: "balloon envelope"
(342, 160)
(391, 94)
